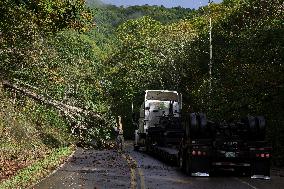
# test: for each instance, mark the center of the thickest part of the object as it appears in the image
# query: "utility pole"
(210, 47)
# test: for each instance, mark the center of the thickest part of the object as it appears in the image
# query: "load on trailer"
(197, 145)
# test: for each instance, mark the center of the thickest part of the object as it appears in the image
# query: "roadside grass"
(28, 176)
(34, 139)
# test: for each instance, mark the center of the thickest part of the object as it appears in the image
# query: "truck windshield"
(162, 95)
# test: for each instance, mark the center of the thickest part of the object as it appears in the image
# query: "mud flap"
(200, 166)
(260, 169)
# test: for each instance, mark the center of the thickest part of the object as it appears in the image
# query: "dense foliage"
(104, 62)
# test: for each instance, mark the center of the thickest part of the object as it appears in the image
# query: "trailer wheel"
(202, 121)
(252, 124)
(261, 122)
(261, 127)
(194, 122)
(256, 127)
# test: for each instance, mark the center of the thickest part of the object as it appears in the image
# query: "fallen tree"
(73, 114)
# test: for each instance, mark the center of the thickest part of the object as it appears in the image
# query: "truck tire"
(260, 121)
(256, 127)
(252, 127)
(202, 121)
(194, 125)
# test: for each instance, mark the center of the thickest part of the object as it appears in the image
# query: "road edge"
(55, 170)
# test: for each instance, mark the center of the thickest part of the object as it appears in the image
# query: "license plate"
(230, 154)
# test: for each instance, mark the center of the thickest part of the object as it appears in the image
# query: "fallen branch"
(66, 109)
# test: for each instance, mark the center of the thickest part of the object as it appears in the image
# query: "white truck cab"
(157, 103)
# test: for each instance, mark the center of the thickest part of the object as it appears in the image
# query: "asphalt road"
(92, 169)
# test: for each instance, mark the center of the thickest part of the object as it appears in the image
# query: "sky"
(167, 3)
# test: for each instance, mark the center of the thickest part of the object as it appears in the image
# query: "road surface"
(93, 169)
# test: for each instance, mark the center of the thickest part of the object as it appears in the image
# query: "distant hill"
(108, 17)
(96, 3)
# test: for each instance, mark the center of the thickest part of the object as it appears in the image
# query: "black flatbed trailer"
(207, 147)
(200, 147)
